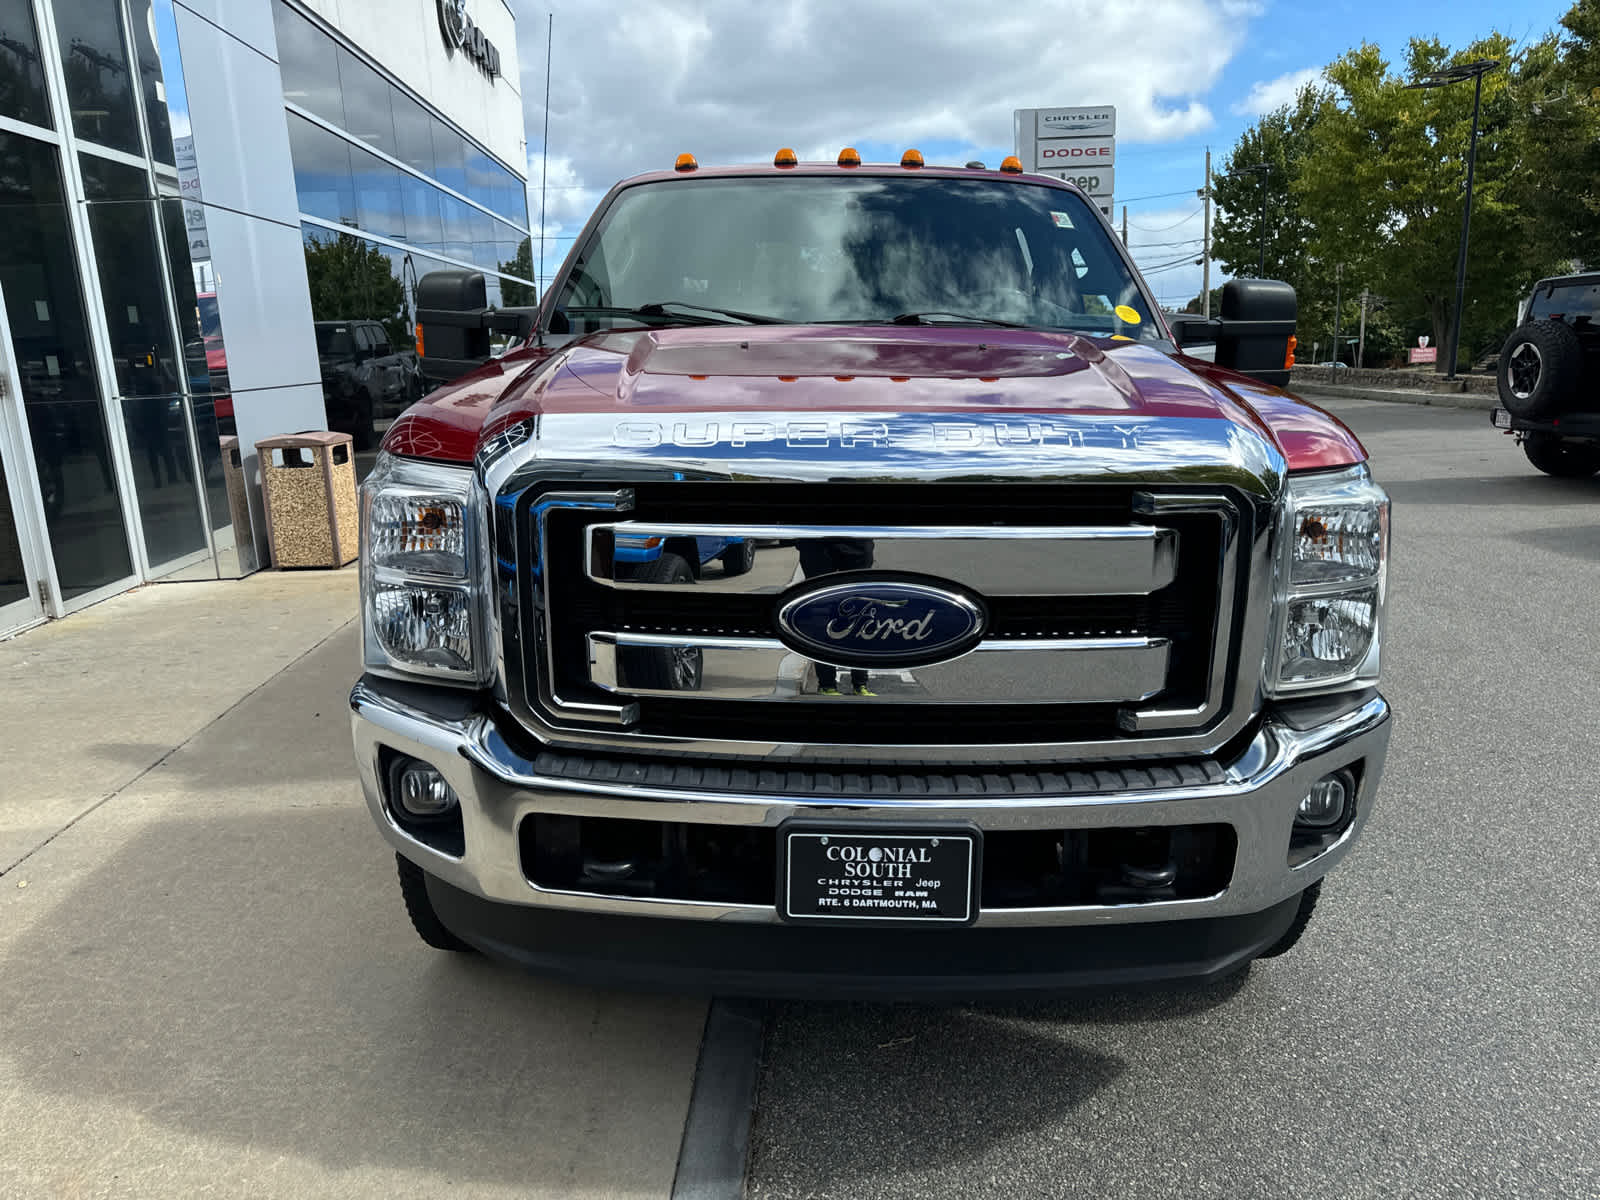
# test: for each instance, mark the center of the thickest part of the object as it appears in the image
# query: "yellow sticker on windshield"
(1128, 316)
(1120, 337)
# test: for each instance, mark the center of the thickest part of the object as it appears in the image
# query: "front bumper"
(1256, 793)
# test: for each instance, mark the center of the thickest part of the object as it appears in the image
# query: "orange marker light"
(849, 158)
(686, 162)
(419, 340)
(1011, 165)
(1288, 357)
(785, 158)
(911, 159)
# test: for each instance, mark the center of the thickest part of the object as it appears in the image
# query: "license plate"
(1502, 419)
(829, 874)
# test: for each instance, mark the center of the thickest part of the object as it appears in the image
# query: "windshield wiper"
(658, 308)
(921, 318)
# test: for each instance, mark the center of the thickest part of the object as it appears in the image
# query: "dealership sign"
(461, 34)
(1075, 144)
(1424, 354)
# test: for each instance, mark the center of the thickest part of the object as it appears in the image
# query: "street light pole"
(1474, 71)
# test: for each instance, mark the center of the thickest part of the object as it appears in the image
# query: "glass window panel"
(366, 103)
(480, 176)
(153, 20)
(148, 367)
(322, 174)
(22, 94)
(449, 156)
(424, 224)
(484, 247)
(99, 88)
(206, 363)
(14, 582)
(378, 205)
(457, 223)
(61, 398)
(309, 62)
(413, 132)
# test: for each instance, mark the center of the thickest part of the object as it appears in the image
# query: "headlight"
(1330, 584)
(421, 599)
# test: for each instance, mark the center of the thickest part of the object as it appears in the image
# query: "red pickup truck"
(1055, 661)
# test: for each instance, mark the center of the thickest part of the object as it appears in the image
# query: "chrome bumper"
(498, 789)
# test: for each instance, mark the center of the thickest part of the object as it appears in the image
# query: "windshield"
(813, 250)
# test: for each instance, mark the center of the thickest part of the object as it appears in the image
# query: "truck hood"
(637, 377)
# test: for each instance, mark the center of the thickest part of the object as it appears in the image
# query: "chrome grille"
(1113, 615)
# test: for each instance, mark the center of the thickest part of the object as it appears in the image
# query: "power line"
(1174, 225)
(1157, 196)
(1179, 242)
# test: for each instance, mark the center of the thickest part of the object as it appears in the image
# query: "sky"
(636, 82)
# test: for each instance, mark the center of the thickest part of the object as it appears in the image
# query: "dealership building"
(216, 212)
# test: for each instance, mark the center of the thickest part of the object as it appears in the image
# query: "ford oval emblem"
(878, 621)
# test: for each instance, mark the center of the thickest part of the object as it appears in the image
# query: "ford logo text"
(883, 622)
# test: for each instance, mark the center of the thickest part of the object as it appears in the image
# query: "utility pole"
(1124, 224)
(1361, 344)
(1205, 267)
(1338, 277)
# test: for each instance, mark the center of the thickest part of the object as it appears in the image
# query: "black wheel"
(1302, 918)
(414, 887)
(1561, 458)
(662, 669)
(737, 560)
(1539, 371)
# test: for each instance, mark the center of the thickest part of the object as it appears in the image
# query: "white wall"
(246, 183)
(404, 36)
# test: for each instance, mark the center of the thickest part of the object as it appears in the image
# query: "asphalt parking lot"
(1434, 1032)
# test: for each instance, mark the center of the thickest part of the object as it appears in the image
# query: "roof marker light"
(849, 158)
(911, 159)
(686, 162)
(1011, 165)
(785, 158)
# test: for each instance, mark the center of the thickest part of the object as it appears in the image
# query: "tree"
(1560, 192)
(1383, 185)
(351, 278)
(512, 293)
(1198, 303)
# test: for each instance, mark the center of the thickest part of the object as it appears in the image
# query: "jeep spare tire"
(1539, 369)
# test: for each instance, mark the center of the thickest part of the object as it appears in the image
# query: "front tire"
(1302, 918)
(1563, 459)
(414, 890)
(737, 560)
(1540, 368)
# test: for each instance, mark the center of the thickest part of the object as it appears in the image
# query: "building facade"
(216, 213)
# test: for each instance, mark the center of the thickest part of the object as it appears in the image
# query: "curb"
(715, 1151)
(1472, 400)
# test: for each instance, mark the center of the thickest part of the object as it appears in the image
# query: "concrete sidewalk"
(207, 978)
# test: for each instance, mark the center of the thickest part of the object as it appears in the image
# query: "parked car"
(1549, 377)
(1110, 614)
(363, 377)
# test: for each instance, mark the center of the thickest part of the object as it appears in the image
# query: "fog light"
(423, 792)
(1325, 803)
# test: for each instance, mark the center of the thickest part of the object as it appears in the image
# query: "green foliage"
(351, 278)
(512, 293)
(1368, 174)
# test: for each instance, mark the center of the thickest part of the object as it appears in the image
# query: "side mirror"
(1252, 334)
(454, 322)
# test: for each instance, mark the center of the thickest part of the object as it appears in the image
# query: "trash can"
(238, 503)
(309, 483)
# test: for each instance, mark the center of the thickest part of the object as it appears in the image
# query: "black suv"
(1550, 377)
(363, 377)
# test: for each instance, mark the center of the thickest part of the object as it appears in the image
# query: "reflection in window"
(378, 206)
(309, 63)
(366, 103)
(413, 132)
(152, 19)
(322, 175)
(99, 87)
(22, 94)
(39, 273)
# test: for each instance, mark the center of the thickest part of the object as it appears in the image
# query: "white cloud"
(1268, 94)
(635, 83)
